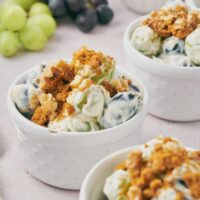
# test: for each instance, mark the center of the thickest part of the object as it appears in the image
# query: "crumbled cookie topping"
(176, 21)
(149, 175)
(60, 78)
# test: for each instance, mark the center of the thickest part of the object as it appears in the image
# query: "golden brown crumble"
(148, 175)
(120, 85)
(87, 62)
(177, 21)
(62, 74)
(60, 78)
(87, 57)
(40, 117)
(193, 182)
(108, 86)
(46, 111)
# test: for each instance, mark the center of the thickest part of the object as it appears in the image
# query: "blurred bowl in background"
(194, 4)
(144, 6)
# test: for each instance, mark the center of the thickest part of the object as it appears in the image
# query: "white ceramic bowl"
(92, 187)
(144, 6)
(174, 90)
(63, 159)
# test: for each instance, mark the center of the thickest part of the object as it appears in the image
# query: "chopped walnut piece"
(147, 174)
(121, 166)
(86, 83)
(134, 193)
(62, 73)
(134, 160)
(39, 116)
(193, 182)
(148, 193)
(109, 88)
(155, 184)
(46, 111)
(120, 85)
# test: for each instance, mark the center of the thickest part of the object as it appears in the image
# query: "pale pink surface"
(15, 182)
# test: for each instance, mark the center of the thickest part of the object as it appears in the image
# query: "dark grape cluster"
(86, 13)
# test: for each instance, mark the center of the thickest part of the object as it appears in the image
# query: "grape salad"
(162, 169)
(83, 95)
(170, 35)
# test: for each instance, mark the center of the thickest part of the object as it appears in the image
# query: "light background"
(15, 182)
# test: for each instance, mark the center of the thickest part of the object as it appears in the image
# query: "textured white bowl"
(174, 90)
(144, 6)
(63, 159)
(92, 187)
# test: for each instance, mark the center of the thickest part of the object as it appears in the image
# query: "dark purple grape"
(76, 5)
(104, 14)
(98, 2)
(87, 20)
(58, 7)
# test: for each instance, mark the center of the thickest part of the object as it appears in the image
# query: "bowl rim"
(163, 66)
(94, 169)
(14, 111)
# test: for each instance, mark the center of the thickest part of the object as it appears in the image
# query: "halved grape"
(26, 4)
(45, 22)
(14, 18)
(32, 38)
(39, 8)
(9, 43)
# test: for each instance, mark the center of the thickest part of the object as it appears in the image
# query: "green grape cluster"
(24, 24)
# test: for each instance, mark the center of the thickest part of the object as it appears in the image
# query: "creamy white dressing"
(120, 108)
(166, 194)
(115, 184)
(22, 96)
(175, 59)
(193, 46)
(145, 40)
(75, 123)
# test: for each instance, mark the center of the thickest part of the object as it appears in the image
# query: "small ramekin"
(174, 90)
(144, 6)
(63, 159)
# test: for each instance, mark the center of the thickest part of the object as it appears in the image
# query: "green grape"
(45, 22)
(5, 5)
(14, 18)
(32, 38)
(26, 4)
(9, 43)
(1, 27)
(39, 8)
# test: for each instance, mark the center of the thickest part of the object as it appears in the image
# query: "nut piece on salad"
(177, 21)
(82, 95)
(162, 169)
(170, 35)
